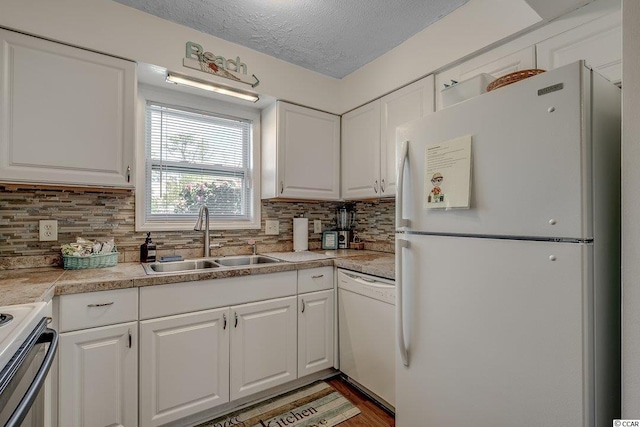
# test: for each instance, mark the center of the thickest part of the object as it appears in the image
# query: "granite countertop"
(41, 284)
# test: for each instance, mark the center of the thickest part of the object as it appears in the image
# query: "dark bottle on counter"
(148, 250)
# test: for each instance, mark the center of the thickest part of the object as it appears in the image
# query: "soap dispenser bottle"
(148, 250)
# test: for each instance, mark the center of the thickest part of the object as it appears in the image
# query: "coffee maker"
(345, 223)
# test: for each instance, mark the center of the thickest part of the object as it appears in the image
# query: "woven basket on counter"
(92, 261)
(513, 78)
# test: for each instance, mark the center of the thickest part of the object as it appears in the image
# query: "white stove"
(20, 321)
(27, 350)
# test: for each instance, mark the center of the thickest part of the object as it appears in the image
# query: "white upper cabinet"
(578, 36)
(369, 139)
(300, 153)
(361, 152)
(523, 59)
(408, 103)
(67, 115)
(598, 42)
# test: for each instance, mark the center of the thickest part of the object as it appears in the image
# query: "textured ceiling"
(332, 37)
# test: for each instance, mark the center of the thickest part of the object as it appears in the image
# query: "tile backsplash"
(97, 215)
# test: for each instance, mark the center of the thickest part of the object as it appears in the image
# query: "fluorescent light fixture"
(210, 86)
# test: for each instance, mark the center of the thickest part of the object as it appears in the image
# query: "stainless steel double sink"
(206, 264)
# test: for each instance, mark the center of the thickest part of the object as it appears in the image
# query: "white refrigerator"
(508, 310)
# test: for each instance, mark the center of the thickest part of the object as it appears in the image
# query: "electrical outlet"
(317, 226)
(48, 230)
(272, 227)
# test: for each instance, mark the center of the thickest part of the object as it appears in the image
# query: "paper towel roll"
(300, 234)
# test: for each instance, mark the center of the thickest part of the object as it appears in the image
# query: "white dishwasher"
(366, 322)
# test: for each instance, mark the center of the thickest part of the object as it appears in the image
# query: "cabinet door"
(403, 105)
(361, 152)
(98, 377)
(598, 42)
(315, 331)
(67, 114)
(185, 366)
(308, 153)
(521, 60)
(263, 345)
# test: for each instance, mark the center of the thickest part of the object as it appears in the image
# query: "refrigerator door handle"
(404, 153)
(402, 345)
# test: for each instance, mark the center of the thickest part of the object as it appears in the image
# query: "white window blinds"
(195, 158)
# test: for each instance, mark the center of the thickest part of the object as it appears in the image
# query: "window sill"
(188, 226)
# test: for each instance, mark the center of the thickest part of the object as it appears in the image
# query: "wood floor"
(371, 415)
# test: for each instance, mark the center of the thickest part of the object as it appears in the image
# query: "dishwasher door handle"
(369, 282)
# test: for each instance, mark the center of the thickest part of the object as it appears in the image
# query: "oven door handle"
(47, 336)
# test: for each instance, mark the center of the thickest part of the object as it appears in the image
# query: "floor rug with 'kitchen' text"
(316, 405)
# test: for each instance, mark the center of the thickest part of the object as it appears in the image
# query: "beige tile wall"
(98, 215)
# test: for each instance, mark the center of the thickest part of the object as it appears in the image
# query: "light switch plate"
(48, 229)
(272, 227)
(317, 226)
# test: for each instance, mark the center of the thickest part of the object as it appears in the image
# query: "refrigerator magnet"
(447, 179)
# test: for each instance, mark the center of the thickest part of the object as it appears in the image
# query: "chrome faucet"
(198, 227)
(253, 245)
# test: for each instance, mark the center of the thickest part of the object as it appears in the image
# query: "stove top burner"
(5, 318)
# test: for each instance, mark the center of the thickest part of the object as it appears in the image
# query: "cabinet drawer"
(88, 310)
(315, 279)
(186, 297)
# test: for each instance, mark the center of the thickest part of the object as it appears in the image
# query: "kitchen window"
(197, 153)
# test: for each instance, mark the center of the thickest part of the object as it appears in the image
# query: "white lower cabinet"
(184, 365)
(315, 331)
(263, 345)
(98, 377)
(196, 361)
(192, 357)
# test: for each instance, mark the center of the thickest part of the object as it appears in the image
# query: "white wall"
(474, 27)
(631, 209)
(110, 27)
(468, 29)
(549, 9)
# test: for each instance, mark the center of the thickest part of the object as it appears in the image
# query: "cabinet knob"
(303, 305)
(236, 315)
(224, 319)
(128, 173)
(375, 186)
(382, 186)
(281, 187)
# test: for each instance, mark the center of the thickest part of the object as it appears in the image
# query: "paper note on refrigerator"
(447, 178)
